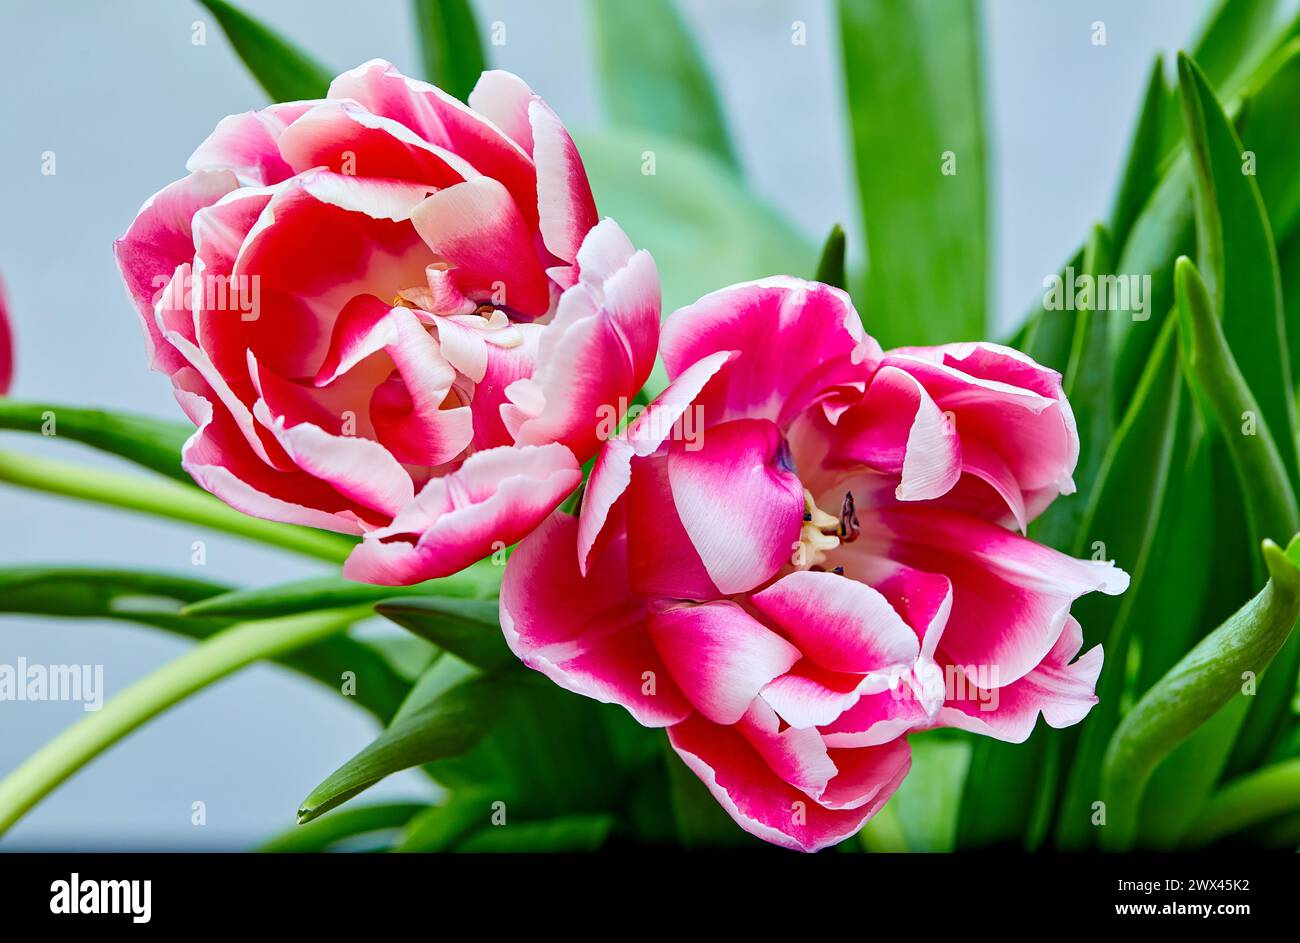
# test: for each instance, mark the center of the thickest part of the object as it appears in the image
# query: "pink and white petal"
(159, 239)
(662, 560)
(248, 144)
(738, 501)
(775, 323)
(796, 755)
(494, 499)
(445, 122)
(612, 473)
(565, 207)
(809, 695)
(1011, 596)
(840, 624)
(505, 366)
(882, 716)
(503, 98)
(720, 656)
(1062, 691)
(898, 429)
(477, 230)
(594, 357)
(220, 461)
(761, 802)
(305, 281)
(867, 776)
(587, 634)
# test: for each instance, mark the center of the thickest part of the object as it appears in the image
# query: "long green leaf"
(440, 827)
(1255, 797)
(152, 443)
(1122, 515)
(481, 580)
(285, 71)
(915, 92)
(1239, 260)
(154, 599)
(447, 712)
(653, 77)
(468, 628)
(1195, 689)
(1142, 167)
(344, 825)
(450, 45)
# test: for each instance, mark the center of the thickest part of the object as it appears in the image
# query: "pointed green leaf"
(481, 580)
(152, 443)
(447, 712)
(468, 628)
(285, 71)
(1239, 261)
(1142, 168)
(343, 825)
(653, 77)
(830, 269)
(1120, 522)
(1195, 689)
(915, 92)
(450, 46)
(1247, 800)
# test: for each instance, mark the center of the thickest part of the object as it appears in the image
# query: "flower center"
(821, 532)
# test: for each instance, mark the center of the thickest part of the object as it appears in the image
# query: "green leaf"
(1196, 689)
(1271, 507)
(483, 579)
(154, 599)
(1271, 136)
(440, 827)
(652, 76)
(343, 825)
(702, 226)
(450, 46)
(447, 712)
(468, 628)
(1122, 515)
(1087, 384)
(153, 443)
(830, 268)
(285, 71)
(1239, 260)
(1255, 797)
(567, 833)
(915, 92)
(928, 801)
(1142, 168)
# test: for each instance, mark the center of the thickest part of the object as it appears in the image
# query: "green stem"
(1250, 799)
(209, 661)
(167, 499)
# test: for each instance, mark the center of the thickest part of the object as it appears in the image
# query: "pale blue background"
(121, 95)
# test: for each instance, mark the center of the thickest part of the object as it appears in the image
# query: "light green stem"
(1248, 800)
(223, 653)
(164, 498)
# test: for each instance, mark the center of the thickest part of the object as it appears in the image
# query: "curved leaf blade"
(468, 628)
(285, 71)
(450, 45)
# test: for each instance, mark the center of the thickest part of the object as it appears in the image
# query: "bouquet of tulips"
(704, 539)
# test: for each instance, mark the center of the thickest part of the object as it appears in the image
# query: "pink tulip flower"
(393, 315)
(799, 553)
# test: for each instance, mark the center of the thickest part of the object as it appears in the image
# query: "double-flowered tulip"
(807, 547)
(392, 314)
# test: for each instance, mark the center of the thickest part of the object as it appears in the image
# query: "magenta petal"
(587, 634)
(248, 144)
(719, 656)
(765, 805)
(6, 343)
(565, 206)
(493, 500)
(741, 506)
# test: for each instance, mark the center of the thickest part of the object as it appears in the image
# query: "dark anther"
(807, 516)
(848, 529)
(838, 571)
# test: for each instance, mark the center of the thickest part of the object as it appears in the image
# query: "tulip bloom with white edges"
(798, 590)
(392, 314)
